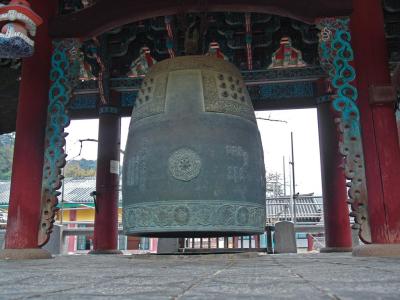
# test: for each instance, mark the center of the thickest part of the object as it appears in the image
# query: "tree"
(74, 168)
(80, 168)
(275, 188)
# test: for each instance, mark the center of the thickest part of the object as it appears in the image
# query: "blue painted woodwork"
(64, 71)
(264, 85)
(336, 55)
(128, 98)
(84, 101)
(286, 90)
(15, 47)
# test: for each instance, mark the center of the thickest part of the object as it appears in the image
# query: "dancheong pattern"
(64, 74)
(336, 54)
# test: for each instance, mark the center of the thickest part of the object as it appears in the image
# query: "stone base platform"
(223, 276)
(105, 252)
(378, 250)
(18, 254)
(336, 249)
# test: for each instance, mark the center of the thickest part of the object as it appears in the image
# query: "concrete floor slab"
(232, 276)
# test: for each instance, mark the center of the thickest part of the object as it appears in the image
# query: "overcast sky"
(275, 137)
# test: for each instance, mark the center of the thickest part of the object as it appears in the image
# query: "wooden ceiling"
(105, 15)
(392, 26)
(101, 16)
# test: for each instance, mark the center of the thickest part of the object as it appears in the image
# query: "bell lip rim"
(195, 233)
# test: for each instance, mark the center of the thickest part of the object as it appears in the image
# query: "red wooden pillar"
(379, 130)
(396, 84)
(26, 182)
(257, 241)
(398, 124)
(72, 239)
(107, 181)
(235, 242)
(334, 191)
(310, 242)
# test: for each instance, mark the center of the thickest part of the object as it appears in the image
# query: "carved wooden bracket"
(63, 75)
(336, 55)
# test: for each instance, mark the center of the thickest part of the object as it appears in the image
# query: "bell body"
(194, 163)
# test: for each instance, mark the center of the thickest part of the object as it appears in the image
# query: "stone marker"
(54, 244)
(2, 237)
(167, 245)
(355, 238)
(285, 238)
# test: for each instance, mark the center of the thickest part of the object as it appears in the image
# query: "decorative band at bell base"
(199, 216)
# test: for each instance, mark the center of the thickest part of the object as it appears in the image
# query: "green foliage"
(6, 155)
(87, 164)
(74, 168)
(80, 168)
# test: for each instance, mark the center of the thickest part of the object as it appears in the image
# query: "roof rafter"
(99, 18)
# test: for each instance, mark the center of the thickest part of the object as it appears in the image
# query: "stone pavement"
(225, 276)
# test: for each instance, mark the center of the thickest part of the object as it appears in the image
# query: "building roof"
(4, 192)
(309, 209)
(76, 191)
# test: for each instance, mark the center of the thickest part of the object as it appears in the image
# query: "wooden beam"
(106, 15)
(290, 103)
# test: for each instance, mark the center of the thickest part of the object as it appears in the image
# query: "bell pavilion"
(177, 66)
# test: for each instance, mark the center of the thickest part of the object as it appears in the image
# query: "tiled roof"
(76, 190)
(308, 209)
(4, 192)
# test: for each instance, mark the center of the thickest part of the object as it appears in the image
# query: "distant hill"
(86, 164)
(74, 168)
(7, 139)
(80, 168)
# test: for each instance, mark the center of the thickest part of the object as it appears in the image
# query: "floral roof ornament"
(215, 50)
(142, 64)
(286, 56)
(85, 69)
(18, 25)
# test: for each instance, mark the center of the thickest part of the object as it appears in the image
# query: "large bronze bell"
(194, 162)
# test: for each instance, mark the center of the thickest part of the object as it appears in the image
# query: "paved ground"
(240, 276)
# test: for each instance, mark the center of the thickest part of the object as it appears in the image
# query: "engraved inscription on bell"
(193, 163)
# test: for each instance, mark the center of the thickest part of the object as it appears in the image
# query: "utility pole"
(284, 177)
(293, 181)
(63, 188)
